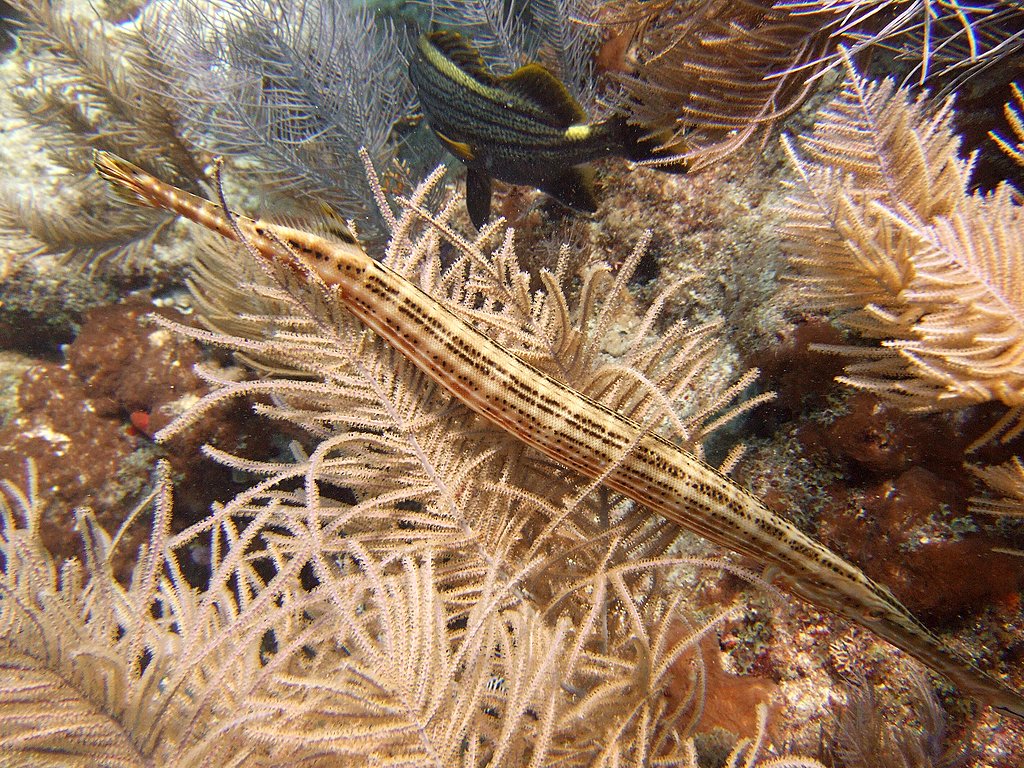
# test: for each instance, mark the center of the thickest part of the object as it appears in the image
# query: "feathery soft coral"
(882, 225)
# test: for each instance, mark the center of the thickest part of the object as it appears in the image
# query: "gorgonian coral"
(882, 226)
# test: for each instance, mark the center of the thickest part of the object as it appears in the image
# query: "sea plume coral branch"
(1014, 111)
(882, 226)
(717, 73)
(946, 38)
(398, 476)
(1006, 481)
(88, 83)
(300, 87)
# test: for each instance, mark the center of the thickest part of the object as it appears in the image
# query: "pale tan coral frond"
(403, 584)
(86, 83)
(386, 680)
(748, 753)
(884, 230)
(718, 73)
(399, 474)
(876, 140)
(1014, 111)
(872, 148)
(944, 38)
(47, 722)
(90, 236)
(970, 347)
(111, 661)
(960, 339)
(93, 84)
(1007, 482)
(892, 147)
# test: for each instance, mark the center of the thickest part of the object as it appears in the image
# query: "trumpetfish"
(572, 429)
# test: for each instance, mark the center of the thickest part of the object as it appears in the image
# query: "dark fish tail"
(640, 144)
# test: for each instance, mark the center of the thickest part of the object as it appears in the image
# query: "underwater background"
(237, 528)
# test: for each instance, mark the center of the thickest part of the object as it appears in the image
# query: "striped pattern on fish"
(523, 128)
(576, 431)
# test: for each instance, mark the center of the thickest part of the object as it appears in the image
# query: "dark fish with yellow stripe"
(524, 128)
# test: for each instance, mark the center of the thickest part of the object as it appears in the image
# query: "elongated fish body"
(574, 430)
(524, 128)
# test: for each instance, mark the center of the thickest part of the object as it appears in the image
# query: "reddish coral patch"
(735, 697)
(140, 421)
(799, 375)
(913, 534)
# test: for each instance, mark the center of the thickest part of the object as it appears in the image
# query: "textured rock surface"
(86, 424)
